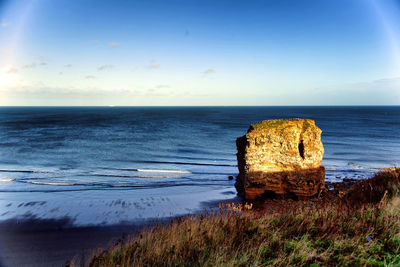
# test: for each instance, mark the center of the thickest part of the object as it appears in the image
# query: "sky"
(184, 52)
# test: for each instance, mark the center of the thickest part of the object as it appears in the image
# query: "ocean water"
(106, 165)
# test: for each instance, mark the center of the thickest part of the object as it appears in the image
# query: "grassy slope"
(362, 228)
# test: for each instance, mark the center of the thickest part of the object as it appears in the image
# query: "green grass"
(269, 124)
(361, 229)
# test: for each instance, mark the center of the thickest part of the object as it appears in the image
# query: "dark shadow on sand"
(34, 242)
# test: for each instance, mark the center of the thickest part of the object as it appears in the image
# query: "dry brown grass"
(361, 229)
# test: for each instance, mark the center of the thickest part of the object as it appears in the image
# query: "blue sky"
(304, 52)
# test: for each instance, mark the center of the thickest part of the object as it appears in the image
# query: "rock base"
(301, 184)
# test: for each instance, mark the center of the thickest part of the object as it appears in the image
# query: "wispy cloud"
(376, 92)
(41, 58)
(5, 23)
(114, 44)
(30, 66)
(105, 67)
(42, 94)
(208, 71)
(5, 51)
(392, 81)
(153, 66)
(12, 70)
(153, 92)
(40, 61)
(90, 77)
(162, 86)
(67, 65)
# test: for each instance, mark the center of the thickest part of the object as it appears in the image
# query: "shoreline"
(358, 226)
(32, 241)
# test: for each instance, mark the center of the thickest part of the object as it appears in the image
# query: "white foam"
(355, 166)
(6, 180)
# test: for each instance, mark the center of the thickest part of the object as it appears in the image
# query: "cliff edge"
(280, 157)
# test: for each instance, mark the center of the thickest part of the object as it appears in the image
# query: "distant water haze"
(106, 165)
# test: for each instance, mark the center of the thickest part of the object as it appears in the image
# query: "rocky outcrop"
(280, 157)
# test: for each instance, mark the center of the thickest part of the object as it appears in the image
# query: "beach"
(54, 242)
(30, 241)
(98, 172)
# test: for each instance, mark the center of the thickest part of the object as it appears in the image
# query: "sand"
(35, 242)
(32, 242)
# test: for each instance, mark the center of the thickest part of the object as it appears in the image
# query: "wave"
(5, 180)
(99, 187)
(161, 171)
(134, 176)
(177, 163)
(151, 170)
(186, 163)
(50, 183)
(345, 171)
(23, 171)
(175, 156)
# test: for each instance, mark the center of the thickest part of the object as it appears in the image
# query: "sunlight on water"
(92, 157)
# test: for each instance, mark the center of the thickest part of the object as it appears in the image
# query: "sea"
(112, 165)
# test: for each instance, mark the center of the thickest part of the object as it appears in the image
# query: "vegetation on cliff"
(356, 225)
(274, 124)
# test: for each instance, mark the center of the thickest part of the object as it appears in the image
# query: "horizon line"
(132, 106)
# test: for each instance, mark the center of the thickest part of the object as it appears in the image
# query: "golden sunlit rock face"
(282, 157)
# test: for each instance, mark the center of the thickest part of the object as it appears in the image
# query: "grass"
(361, 227)
(271, 124)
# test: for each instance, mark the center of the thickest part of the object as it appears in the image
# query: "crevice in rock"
(269, 194)
(301, 149)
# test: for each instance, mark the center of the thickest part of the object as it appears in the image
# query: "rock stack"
(280, 158)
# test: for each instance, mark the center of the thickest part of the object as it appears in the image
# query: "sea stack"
(280, 158)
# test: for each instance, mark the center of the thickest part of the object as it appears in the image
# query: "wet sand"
(35, 242)
(55, 242)
(38, 242)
